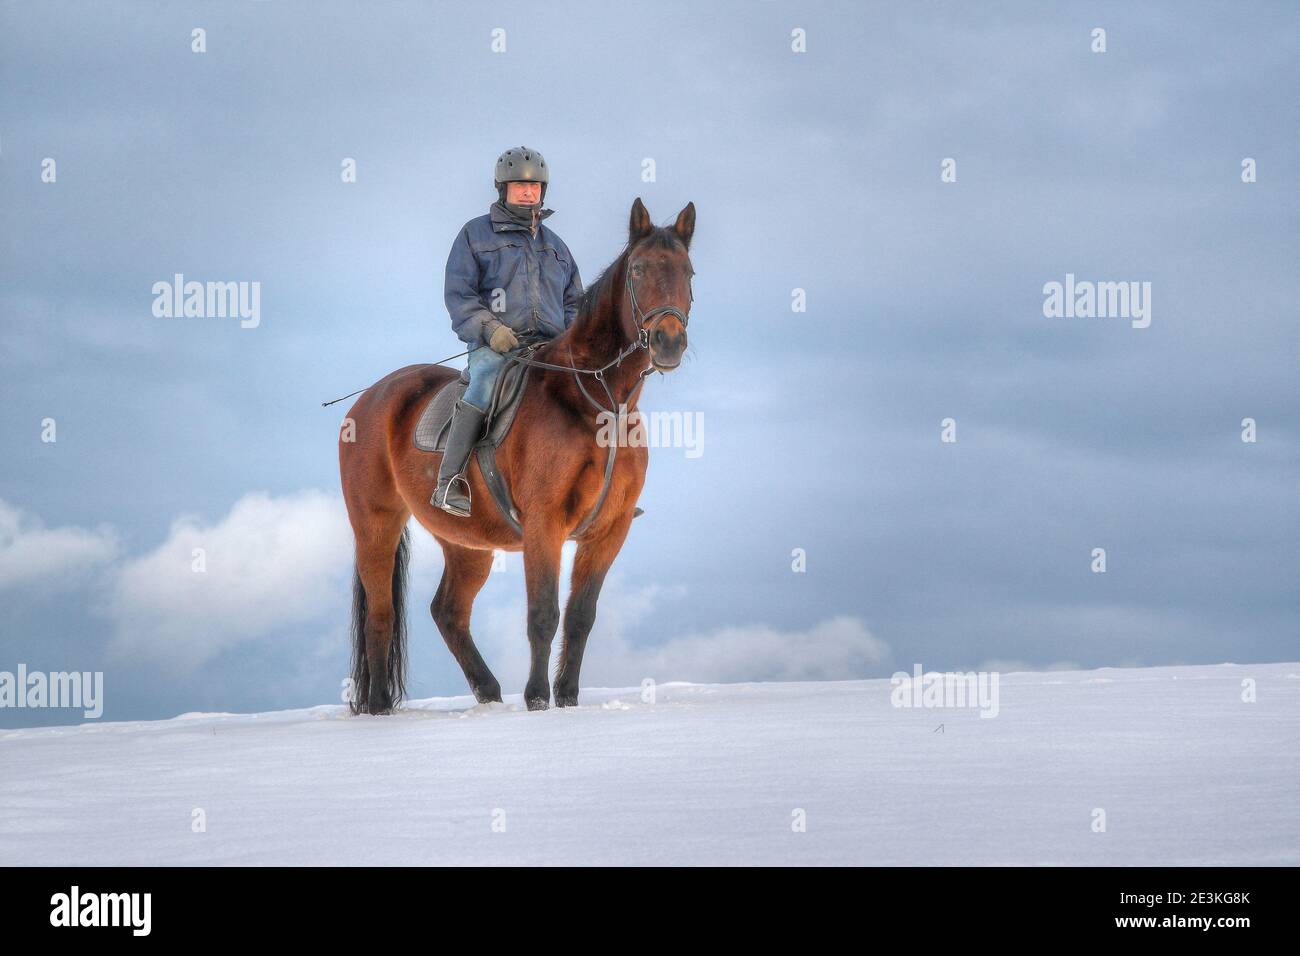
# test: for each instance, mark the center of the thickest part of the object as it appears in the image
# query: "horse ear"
(639, 225)
(685, 224)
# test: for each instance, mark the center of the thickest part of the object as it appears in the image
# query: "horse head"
(657, 267)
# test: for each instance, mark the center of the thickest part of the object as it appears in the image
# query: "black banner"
(333, 906)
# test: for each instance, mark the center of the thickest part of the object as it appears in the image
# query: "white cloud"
(33, 554)
(1013, 666)
(273, 562)
(270, 562)
(836, 648)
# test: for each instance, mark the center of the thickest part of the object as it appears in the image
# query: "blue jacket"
(537, 274)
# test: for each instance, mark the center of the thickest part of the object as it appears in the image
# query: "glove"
(503, 339)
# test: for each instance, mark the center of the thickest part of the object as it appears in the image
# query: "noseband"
(641, 318)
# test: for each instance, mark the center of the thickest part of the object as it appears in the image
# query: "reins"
(642, 341)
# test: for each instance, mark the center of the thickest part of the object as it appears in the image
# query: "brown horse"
(552, 461)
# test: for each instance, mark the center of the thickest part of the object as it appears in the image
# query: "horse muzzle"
(666, 349)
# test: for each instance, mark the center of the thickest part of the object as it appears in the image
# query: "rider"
(507, 276)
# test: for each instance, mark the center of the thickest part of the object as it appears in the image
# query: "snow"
(1186, 772)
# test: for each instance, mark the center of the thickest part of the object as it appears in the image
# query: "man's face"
(524, 194)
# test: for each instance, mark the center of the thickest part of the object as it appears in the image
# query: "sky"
(883, 193)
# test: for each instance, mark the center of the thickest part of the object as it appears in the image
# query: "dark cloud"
(817, 171)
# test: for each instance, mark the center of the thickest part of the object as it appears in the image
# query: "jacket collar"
(502, 221)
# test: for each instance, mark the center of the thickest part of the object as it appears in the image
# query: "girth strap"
(487, 464)
(500, 490)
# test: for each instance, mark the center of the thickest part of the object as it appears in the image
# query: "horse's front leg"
(590, 564)
(542, 545)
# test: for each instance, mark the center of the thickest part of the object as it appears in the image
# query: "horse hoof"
(538, 703)
(566, 698)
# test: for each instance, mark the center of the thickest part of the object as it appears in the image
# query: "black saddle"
(432, 428)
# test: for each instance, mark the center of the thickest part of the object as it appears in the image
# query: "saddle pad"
(431, 430)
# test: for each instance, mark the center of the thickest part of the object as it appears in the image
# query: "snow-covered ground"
(1184, 770)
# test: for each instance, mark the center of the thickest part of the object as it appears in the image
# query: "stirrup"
(442, 505)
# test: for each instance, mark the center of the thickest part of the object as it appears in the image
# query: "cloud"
(271, 562)
(1009, 666)
(836, 648)
(31, 553)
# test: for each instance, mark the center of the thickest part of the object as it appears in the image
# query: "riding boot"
(452, 493)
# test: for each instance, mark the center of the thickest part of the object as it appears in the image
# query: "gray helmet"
(521, 164)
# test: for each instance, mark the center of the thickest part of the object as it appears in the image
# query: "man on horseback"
(508, 276)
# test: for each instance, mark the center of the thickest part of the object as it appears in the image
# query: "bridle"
(641, 318)
(642, 341)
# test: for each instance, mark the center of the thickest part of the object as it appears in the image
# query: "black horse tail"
(360, 694)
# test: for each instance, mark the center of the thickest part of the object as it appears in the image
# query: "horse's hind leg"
(379, 613)
(465, 571)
